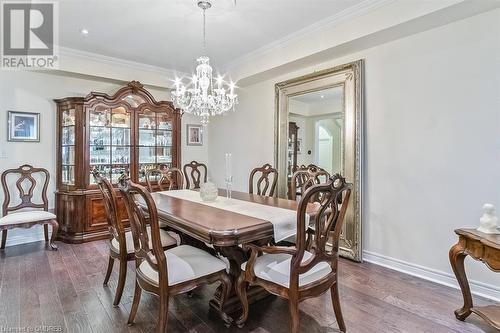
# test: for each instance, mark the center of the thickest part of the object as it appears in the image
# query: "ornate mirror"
(319, 125)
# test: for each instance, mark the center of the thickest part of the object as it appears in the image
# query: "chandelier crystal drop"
(204, 96)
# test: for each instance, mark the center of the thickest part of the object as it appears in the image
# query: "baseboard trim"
(23, 236)
(477, 288)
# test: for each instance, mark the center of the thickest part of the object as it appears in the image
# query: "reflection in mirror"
(316, 130)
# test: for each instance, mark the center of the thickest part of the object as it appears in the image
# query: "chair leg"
(334, 290)
(135, 304)
(4, 239)
(163, 314)
(121, 281)
(46, 232)
(293, 308)
(55, 229)
(111, 262)
(241, 291)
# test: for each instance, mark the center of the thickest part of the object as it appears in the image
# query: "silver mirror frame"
(350, 77)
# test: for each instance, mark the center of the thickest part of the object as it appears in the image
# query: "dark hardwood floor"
(62, 291)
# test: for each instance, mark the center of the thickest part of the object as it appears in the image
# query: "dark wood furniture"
(225, 231)
(128, 132)
(165, 179)
(305, 177)
(121, 244)
(293, 133)
(264, 185)
(482, 247)
(26, 184)
(164, 273)
(309, 274)
(195, 174)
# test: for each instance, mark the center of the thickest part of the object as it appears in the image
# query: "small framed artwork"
(299, 146)
(194, 135)
(23, 126)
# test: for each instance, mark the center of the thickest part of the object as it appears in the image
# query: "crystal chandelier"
(204, 96)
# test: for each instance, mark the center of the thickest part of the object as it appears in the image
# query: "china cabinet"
(128, 132)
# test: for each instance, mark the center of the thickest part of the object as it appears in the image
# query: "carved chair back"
(171, 176)
(136, 196)
(328, 220)
(27, 175)
(306, 177)
(264, 185)
(196, 175)
(110, 200)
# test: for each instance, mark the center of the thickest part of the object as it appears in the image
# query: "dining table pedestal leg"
(236, 256)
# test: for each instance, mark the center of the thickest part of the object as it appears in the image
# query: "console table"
(482, 247)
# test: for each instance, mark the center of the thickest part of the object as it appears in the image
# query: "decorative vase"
(208, 192)
(488, 222)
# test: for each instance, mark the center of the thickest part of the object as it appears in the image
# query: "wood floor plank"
(76, 272)
(10, 293)
(74, 314)
(101, 321)
(29, 311)
(50, 306)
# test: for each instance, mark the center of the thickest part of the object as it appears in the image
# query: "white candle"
(228, 167)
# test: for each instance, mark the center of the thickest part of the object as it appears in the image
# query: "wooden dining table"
(224, 230)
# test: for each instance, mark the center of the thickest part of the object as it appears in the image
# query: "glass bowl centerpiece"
(208, 192)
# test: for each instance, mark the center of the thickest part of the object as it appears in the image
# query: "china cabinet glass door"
(68, 147)
(154, 141)
(109, 141)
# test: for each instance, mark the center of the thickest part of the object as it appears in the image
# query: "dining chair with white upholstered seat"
(196, 174)
(166, 272)
(266, 181)
(167, 179)
(16, 215)
(121, 246)
(296, 273)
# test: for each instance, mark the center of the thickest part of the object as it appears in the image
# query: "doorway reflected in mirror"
(316, 130)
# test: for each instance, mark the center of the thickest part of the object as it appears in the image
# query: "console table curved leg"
(457, 256)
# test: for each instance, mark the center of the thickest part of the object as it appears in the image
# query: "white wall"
(34, 92)
(432, 138)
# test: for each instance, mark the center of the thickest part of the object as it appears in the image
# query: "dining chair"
(197, 173)
(264, 185)
(304, 178)
(37, 214)
(173, 177)
(166, 272)
(294, 272)
(121, 246)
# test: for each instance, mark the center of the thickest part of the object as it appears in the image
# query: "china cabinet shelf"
(128, 132)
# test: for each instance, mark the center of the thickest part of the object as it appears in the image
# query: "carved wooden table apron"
(482, 247)
(224, 230)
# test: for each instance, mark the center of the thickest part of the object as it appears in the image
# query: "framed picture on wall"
(23, 126)
(194, 135)
(299, 146)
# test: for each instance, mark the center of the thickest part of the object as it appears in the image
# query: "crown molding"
(115, 68)
(69, 52)
(360, 9)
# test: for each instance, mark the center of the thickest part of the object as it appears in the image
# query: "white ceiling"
(168, 33)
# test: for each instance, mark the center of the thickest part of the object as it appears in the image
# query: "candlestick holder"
(229, 185)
